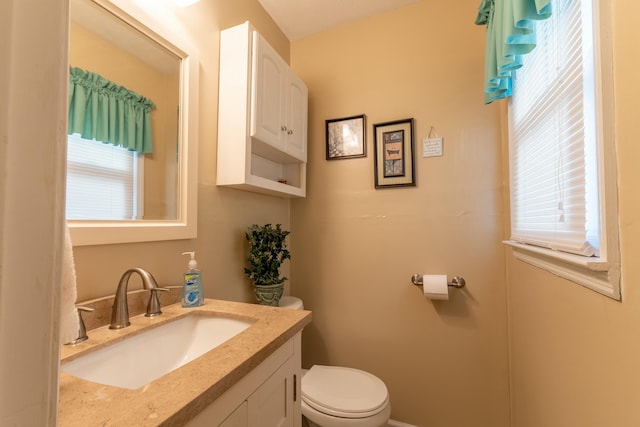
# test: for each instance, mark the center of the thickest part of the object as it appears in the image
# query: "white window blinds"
(101, 181)
(553, 146)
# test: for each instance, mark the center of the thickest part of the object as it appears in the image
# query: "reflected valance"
(105, 111)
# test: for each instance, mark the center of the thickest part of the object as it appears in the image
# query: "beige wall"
(355, 247)
(223, 214)
(575, 353)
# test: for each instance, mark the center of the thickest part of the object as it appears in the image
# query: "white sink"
(147, 356)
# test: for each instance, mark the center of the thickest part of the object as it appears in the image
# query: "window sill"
(593, 273)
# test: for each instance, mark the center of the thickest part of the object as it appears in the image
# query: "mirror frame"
(91, 232)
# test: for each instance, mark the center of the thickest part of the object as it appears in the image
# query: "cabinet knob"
(283, 128)
(290, 132)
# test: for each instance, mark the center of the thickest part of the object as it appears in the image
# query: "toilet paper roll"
(435, 286)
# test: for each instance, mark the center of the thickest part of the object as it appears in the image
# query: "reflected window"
(104, 181)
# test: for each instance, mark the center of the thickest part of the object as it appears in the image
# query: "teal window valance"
(102, 110)
(511, 33)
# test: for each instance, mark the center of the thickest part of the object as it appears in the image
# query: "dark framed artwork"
(346, 138)
(393, 154)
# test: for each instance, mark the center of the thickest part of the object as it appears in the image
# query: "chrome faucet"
(120, 311)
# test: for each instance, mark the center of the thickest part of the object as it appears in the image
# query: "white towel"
(69, 323)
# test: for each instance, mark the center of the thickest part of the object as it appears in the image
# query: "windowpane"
(101, 181)
(554, 174)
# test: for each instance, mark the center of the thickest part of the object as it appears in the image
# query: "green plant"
(267, 251)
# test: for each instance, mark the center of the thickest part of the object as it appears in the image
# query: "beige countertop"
(176, 397)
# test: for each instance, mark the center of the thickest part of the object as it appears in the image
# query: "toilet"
(334, 396)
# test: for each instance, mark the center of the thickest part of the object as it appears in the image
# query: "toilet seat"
(344, 392)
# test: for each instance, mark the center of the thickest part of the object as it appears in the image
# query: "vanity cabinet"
(268, 396)
(262, 117)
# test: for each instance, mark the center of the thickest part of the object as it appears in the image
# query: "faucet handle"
(82, 331)
(153, 307)
(82, 308)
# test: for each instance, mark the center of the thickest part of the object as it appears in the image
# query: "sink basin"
(147, 356)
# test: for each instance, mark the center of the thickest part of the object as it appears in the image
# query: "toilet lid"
(291, 302)
(343, 392)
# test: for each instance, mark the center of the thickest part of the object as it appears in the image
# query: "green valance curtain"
(102, 110)
(511, 33)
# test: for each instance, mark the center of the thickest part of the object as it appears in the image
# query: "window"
(103, 181)
(563, 195)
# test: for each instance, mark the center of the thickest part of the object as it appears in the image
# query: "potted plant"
(267, 252)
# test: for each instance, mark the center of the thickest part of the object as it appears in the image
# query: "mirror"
(135, 51)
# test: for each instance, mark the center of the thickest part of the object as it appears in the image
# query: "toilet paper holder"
(456, 282)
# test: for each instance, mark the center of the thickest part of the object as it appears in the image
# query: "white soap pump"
(192, 289)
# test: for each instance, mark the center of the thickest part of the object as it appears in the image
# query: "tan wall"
(355, 247)
(575, 353)
(223, 214)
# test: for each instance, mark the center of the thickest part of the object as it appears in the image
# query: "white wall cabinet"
(279, 102)
(268, 396)
(262, 117)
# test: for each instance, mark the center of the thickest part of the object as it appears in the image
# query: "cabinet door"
(272, 404)
(238, 418)
(268, 94)
(296, 144)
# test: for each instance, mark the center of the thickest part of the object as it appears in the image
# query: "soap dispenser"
(192, 289)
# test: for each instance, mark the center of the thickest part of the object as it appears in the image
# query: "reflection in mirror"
(118, 191)
(103, 44)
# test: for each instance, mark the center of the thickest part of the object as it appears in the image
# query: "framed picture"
(346, 138)
(393, 158)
